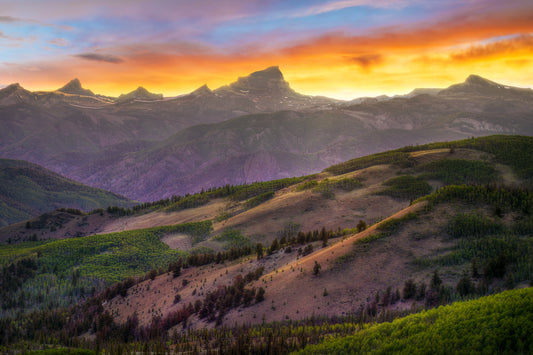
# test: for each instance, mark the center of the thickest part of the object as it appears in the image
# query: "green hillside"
(59, 272)
(28, 190)
(515, 151)
(501, 324)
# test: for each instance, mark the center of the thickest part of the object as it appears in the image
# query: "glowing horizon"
(341, 49)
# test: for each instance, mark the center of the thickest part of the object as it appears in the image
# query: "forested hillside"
(502, 323)
(28, 190)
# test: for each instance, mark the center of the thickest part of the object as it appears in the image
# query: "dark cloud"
(8, 19)
(100, 57)
(368, 61)
(495, 49)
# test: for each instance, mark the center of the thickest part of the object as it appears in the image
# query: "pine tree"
(361, 226)
(435, 281)
(316, 268)
(409, 289)
(260, 295)
(259, 251)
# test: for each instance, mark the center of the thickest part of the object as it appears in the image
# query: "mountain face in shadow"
(28, 190)
(257, 128)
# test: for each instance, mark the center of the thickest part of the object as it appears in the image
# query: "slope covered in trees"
(515, 151)
(501, 323)
(28, 190)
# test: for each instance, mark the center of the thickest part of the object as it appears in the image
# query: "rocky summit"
(74, 87)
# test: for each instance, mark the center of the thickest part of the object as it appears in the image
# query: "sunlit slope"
(501, 323)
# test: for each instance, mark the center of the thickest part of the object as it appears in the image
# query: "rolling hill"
(28, 190)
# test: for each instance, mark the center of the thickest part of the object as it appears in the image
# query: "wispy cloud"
(455, 29)
(11, 38)
(344, 4)
(61, 42)
(100, 57)
(519, 44)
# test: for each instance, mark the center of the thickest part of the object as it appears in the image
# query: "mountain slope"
(314, 209)
(291, 143)
(28, 190)
(254, 129)
(72, 128)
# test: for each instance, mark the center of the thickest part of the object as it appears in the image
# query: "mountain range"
(148, 147)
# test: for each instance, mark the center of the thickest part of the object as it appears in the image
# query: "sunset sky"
(339, 48)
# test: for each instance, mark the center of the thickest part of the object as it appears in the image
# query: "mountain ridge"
(89, 138)
(271, 78)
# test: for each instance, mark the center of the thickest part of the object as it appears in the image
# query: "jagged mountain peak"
(477, 85)
(74, 87)
(139, 94)
(202, 90)
(13, 94)
(479, 81)
(268, 82)
(12, 87)
(141, 90)
(272, 73)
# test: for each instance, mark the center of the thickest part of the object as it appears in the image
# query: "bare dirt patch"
(178, 241)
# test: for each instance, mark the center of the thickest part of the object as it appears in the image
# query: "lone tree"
(316, 268)
(465, 286)
(259, 250)
(323, 236)
(260, 295)
(361, 226)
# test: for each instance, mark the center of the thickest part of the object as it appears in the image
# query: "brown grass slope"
(308, 208)
(352, 270)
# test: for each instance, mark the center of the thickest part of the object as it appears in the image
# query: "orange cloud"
(453, 30)
(522, 44)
